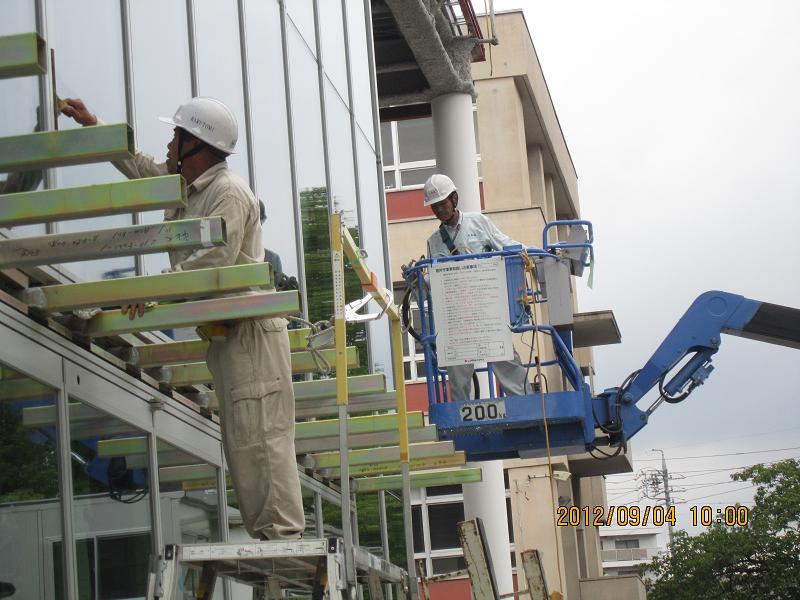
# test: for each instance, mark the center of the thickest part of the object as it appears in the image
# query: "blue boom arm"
(696, 336)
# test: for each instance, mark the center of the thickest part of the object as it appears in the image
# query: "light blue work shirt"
(474, 232)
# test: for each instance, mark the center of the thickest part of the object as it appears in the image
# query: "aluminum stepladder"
(312, 568)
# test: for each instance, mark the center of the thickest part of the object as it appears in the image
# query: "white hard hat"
(207, 119)
(437, 188)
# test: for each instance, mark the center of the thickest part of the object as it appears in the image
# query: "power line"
(737, 437)
(720, 493)
(718, 455)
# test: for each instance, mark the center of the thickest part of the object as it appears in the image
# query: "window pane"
(419, 538)
(30, 512)
(510, 520)
(415, 137)
(188, 494)
(270, 130)
(301, 12)
(332, 42)
(110, 495)
(360, 68)
(386, 144)
(411, 177)
(217, 28)
(443, 520)
(448, 564)
(103, 89)
(123, 565)
(444, 490)
(161, 85)
(389, 180)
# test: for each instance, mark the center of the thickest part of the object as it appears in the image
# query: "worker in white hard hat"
(252, 366)
(468, 233)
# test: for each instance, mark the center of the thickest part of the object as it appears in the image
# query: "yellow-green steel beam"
(456, 459)
(146, 356)
(108, 243)
(326, 388)
(355, 425)
(183, 285)
(198, 312)
(330, 460)
(128, 446)
(365, 440)
(186, 472)
(78, 146)
(419, 479)
(198, 372)
(45, 206)
(328, 407)
(22, 54)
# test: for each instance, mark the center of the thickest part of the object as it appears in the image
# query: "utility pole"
(667, 499)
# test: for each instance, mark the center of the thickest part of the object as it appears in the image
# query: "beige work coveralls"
(252, 367)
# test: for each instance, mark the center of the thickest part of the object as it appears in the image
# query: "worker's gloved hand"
(284, 283)
(76, 109)
(136, 310)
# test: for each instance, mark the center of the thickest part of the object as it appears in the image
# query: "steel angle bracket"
(351, 314)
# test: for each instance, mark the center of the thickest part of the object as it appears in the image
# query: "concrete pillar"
(550, 207)
(536, 176)
(592, 494)
(532, 492)
(454, 138)
(502, 125)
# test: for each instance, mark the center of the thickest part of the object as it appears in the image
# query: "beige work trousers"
(253, 380)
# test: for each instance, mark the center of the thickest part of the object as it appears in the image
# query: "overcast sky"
(683, 120)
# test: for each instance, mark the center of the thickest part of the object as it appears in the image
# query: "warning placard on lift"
(470, 310)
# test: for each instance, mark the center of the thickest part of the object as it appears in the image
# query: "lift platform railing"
(511, 426)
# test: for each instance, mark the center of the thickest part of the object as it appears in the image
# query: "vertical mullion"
(248, 118)
(192, 39)
(65, 488)
(130, 100)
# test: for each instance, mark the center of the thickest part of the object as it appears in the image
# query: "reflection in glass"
(334, 61)
(301, 13)
(30, 514)
(161, 85)
(387, 147)
(111, 512)
(219, 66)
(18, 117)
(360, 68)
(443, 520)
(415, 139)
(270, 130)
(412, 177)
(102, 87)
(371, 200)
(189, 504)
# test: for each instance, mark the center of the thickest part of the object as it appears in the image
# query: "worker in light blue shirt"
(468, 233)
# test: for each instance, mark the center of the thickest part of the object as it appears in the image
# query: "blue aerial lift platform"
(574, 420)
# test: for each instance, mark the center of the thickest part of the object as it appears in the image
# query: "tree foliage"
(758, 560)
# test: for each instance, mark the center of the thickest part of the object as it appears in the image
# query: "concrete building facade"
(527, 179)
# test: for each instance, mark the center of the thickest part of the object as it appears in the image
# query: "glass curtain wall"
(24, 114)
(30, 511)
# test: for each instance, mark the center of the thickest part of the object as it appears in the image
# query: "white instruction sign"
(470, 311)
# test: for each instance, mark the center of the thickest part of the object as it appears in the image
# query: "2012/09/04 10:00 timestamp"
(657, 516)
